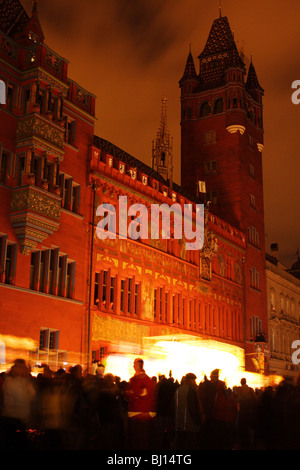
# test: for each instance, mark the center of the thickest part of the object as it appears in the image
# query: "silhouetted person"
(18, 397)
(207, 392)
(247, 414)
(188, 414)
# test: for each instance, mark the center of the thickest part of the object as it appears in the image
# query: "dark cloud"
(146, 26)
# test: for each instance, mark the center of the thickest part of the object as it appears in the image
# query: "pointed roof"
(220, 39)
(15, 22)
(163, 117)
(252, 82)
(32, 26)
(13, 17)
(189, 71)
(163, 138)
(163, 145)
(219, 54)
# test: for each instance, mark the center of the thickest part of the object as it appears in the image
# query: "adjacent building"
(283, 317)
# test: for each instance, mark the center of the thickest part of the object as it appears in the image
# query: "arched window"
(204, 109)
(218, 106)
(2, 92)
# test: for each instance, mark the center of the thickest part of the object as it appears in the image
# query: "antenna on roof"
(220, 8)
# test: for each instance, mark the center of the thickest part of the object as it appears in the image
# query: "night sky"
(129, 53)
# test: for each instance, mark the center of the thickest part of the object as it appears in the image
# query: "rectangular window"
(52, 273)
(9, 262)
(43, 274)
(41, 100)
(96, 288)
(49, 352)
(75, 198)
(173, 309)
(253, 236)
(136, 299)
(61, 275)
(210, 166)
(272, 300)
(161, 293)
(4, 166)
(104, 288)
(252, 201)
(32, 270)
(49, 172)
(26, 100)
(71, 131)
(210, 137)
(250, 141)
(20, 170)
(52, 277)
(112, 293)
(122, 297)
(129, 294)
(43, 339)
(70, 192)
(254, 278)
(161, 304)
(53, 340)
(255, 326)
(67, 193)
(166, 306)
(48, 339)
(70, 279)
(9, 98)
(36, 167)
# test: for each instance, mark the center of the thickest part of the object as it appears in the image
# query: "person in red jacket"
(140, 395)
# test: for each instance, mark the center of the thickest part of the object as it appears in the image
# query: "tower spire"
(162, 157)
(34, 9)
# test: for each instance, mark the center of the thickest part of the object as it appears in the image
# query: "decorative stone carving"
(36, 126)
(35, 214)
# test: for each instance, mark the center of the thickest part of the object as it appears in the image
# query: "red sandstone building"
(68, 296)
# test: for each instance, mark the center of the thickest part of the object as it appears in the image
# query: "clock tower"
(221, 145)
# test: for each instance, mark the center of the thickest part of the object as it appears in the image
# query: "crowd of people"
(74, 410)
